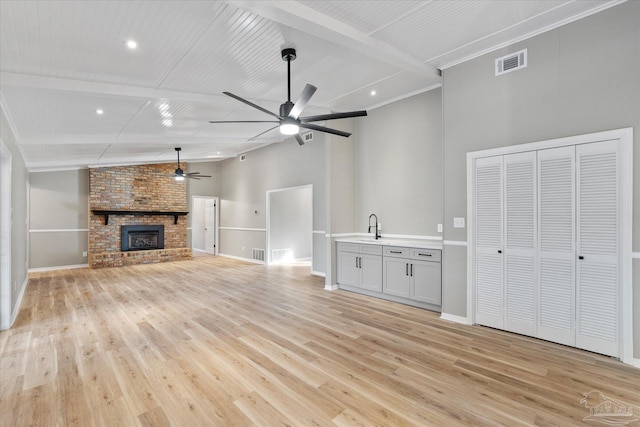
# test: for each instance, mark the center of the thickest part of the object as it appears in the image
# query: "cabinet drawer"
(394, 251)
(348, 247)
(371, 249)
(426, 254)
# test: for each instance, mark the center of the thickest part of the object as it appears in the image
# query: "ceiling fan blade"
(252, 104)
(299, 139)
(333, 116)
(197, 175)
(243, 121)
(324, 129)
(262, 133)
(302, 101)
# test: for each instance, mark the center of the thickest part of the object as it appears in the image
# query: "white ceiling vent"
(307, 136)
(242, 157)
(511, 62)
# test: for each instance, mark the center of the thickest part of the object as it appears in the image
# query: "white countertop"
(420, 244)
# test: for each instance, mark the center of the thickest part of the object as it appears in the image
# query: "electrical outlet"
(458, 222)
(243, 249)
(379, 226)
(84, 253)
(439, 228)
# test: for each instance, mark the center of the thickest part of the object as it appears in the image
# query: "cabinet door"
(396, 277)
(488, 274)
(556, 241)
(348, 271)
(371, 272)
(426, 283)
(520, 248)
(598, 219)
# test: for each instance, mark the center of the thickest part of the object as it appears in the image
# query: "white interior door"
(488, 273)
(556, 239)
(598, 277)
(210, 226)
(520, 247)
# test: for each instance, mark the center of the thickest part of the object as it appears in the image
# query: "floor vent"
(307, 136)
(281, 255)
(511, 62)
(257, 254)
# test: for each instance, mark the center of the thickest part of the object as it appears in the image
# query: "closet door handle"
(580, 257)
(499, 251)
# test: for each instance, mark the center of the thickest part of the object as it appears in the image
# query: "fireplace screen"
(142, 237)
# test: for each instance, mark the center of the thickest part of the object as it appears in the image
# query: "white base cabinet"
(408, 275)
(360, 266)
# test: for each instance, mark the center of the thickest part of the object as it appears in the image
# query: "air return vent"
(511, 62)
(307, 136)
(257, 254)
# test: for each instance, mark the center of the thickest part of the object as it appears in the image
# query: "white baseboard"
(331, 287)
(636, 363)
(16, 308)
(318, 273)
(454, 318)
(239, 258)
(57, 267)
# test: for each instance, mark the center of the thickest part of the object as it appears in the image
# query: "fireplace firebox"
(142, 237)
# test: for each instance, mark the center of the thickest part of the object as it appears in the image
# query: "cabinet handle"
(411, 270)
(356, 262)
(424, 254)
(406, 269)
(395, 252)
(359, 262)
(580, 257)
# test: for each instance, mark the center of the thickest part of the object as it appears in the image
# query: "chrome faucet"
(376, 225)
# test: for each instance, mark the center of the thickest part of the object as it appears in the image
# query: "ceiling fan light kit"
(179, 174)
(289, 121)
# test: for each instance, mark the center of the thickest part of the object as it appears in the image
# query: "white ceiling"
(60, 61)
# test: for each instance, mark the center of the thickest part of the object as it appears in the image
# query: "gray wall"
(244, 185)
(58, 210)
(581, 78)
(19, 181)
(399, 166)
(291, 220)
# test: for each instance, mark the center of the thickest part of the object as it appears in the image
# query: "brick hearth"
(136, 188)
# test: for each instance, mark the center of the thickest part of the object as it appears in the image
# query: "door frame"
(216, 221)
(5, 236)
(625, 138)
(268, 215)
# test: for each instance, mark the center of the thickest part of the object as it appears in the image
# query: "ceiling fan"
(179, 174)
(289, 120)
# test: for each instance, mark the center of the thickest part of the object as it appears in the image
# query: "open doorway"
(204, 224)
(5, 237)
(290, 225)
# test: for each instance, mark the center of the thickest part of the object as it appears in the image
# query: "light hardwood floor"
(215, 341)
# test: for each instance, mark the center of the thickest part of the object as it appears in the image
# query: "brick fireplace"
(143, 195)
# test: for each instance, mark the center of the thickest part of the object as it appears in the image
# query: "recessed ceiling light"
(131, 44)
(167, 122)
(99, 111)
(373, 93)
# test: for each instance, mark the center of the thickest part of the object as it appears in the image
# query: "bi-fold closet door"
(546, 244)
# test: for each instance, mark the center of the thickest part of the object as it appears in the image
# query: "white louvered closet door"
(556, 242)
(488, 275)
(520, 248)
(598, 303)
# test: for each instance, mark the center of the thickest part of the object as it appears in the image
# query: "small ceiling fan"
(179, 174)
(289, 120)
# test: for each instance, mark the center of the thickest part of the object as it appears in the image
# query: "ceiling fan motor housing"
(288, 54)
(285, 108)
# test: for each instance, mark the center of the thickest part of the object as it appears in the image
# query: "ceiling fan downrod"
(288, 55)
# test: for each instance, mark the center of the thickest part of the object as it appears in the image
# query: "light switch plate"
(458, 222)
(439, 228)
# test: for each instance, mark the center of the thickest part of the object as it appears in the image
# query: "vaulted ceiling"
(61, 61)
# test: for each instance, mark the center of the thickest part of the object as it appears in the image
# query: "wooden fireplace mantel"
(106, 214)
